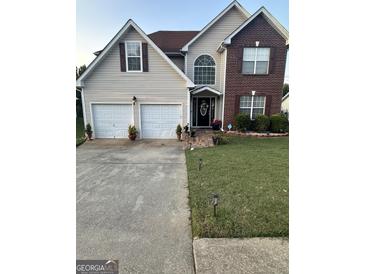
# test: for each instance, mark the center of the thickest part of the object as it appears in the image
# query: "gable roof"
(211, 23)
(171, 41)
(203, 88)
(271, 19)
(130, 23)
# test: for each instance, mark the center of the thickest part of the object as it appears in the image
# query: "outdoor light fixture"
(200, 164)
(257, 43)
(215, 203)
(134, 100)
(253, 93)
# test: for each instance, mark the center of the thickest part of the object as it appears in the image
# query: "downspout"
(83, 106)
(188, 109)
(224, 85)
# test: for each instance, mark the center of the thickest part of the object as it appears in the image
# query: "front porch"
(205, 106)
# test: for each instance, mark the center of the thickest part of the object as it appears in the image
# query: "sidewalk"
(247, 256)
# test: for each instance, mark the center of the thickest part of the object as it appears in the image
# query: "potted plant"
(186, 128)
(178, 132)
(132, 133)
(216, 124)
(88, 132)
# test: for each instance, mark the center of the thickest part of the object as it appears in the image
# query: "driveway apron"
(132, 205)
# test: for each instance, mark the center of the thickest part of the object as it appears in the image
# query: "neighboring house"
(235, 64)
(285, 103)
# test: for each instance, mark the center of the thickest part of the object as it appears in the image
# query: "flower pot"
(178, 135)
(132, 137)
(89, 135)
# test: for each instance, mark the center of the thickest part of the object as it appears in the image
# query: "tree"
(80, 70)
(285, 89)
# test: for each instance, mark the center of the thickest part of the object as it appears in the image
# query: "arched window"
(204, 70)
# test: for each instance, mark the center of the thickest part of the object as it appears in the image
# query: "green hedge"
(243, 122)
(279, 123)
(262, 123)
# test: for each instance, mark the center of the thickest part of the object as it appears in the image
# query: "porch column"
(188, 109)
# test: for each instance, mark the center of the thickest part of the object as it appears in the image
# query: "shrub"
(262, 123)
(219, 138)
(279, 123)
(178, 129)
(243, 122)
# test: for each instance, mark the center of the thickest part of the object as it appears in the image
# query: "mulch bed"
(257, 134)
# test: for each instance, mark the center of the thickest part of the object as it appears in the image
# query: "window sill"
(248, 74)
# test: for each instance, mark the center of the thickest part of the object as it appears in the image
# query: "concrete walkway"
(245, 256)
(132, 205)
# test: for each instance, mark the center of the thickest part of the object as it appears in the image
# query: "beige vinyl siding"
(209, 42)
(108, 84)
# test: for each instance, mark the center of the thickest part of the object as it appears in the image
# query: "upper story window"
(252, 105)
(204, 70)
(256, 60)
(134, 55)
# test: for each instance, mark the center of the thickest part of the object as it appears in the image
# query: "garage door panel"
(160, 121)
(111, 120)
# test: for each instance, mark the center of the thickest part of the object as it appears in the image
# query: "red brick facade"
(238, 84)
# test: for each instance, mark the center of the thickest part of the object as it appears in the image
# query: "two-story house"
(235, 64)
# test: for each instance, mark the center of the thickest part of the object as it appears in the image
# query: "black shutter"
(145, 57)
(240, 59)
(122, 57)
(268, 105)
(272, 60)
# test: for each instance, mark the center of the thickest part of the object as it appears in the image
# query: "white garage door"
(160, 121)
(111, 121)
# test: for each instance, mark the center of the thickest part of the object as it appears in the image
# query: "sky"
(97, 21)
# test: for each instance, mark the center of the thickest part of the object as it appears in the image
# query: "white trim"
(211, 23)
(83, 106)
(271, 19)
(115, 40)
(126, 55)
(105, 103)
(188, 109)
(186, 63)
(215, 70)
(203, 88)
(157, 103)
(224, 85)
(251, 111)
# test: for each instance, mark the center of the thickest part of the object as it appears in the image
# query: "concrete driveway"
(132, 205)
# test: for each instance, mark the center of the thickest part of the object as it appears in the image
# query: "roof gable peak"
(115, 39)
(211, 23)
(271, 20)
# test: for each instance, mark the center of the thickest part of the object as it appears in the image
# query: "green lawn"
(80, 135)
(251, 177)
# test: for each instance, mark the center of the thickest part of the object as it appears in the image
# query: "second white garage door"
(160, 121)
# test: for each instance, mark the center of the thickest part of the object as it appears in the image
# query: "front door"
(203, 111)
